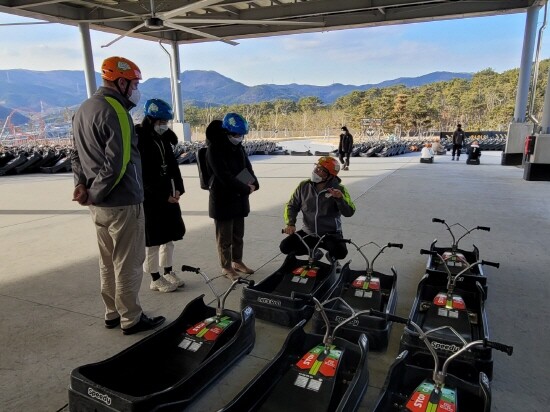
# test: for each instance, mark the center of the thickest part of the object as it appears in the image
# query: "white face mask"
(134, 98)
(236, 140)
(161, 128)
(315, 178)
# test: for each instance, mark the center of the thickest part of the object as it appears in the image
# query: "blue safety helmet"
(158, 109)
(235, 123)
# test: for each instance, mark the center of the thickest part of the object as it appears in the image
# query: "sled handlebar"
(305, 296)
(428, 252)
(436, 220)
(389, 316)
(186, 268)
(498, 346)
(248, 282)
(399, 245)
(487, 263)
(486, 228)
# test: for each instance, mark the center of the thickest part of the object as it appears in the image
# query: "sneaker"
(241, 267)
(174, 279)
(145, 323)
(230, 274)
(162, 285)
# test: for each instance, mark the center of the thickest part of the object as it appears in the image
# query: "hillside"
(36, 90)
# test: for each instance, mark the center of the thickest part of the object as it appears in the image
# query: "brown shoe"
(241, 267)
(230, 274)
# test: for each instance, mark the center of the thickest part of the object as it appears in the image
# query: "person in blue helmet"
(231, 183)
(163, 186)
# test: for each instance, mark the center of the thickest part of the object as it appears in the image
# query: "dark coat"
(474, 152)
(228, 196)
(346, 143)
(459, 136)
(163, 221)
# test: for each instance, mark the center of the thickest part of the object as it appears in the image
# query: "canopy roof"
(189, 21)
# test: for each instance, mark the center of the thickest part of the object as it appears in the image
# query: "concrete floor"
(52, 316)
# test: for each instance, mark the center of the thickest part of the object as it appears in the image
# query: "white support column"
(519, 129)
(89, 72)
(537, 165)
(175, 66)
(179, 126)
(529, 37)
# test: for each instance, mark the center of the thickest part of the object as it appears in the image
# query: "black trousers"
(346, 156)
(331, 243)
(457, 148)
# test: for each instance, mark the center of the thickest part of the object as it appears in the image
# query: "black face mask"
(125, 93)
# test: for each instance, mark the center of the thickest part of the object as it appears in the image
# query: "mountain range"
(30, 90)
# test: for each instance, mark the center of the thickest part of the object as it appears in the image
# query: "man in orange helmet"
(107, 174)
(323, 200)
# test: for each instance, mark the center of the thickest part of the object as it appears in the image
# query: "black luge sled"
(456, 259)
(311, 373)
(362, 290)
(168, 369)
(275, 298)
(429, 387)
(457, 302)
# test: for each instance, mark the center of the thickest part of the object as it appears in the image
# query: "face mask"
(161, 128)
(315, 178)
(134, 98)
(236, 140)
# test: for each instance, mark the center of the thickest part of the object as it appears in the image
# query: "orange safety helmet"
(116, 67)
(329, 163)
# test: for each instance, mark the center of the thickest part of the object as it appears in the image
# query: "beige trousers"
(121, 240)
(158, 257)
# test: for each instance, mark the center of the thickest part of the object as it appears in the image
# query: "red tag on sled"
(358, 283)
(197, 328)
(328, 368)
(440, 299)
(307, 360)
(213, 333)
(458, 303)
(298, 270)
(374, 284)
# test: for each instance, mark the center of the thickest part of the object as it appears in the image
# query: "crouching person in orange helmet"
(323, 200)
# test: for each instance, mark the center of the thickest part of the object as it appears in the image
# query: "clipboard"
(245, 177)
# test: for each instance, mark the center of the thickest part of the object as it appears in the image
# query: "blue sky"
(356, 56)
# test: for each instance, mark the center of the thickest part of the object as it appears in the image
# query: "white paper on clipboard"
(245, 177)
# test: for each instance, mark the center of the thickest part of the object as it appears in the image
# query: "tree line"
(484, 102)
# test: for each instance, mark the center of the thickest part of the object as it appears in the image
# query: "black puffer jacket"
(228, 196)
(346, 143)
(163, 221)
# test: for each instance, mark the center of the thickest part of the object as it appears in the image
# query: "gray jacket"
(321, 212)
(98, 159)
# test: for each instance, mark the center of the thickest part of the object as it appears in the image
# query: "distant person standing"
(458, 140)
(345, 147)
(228, 163)
(107, 175)
(163, 187)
